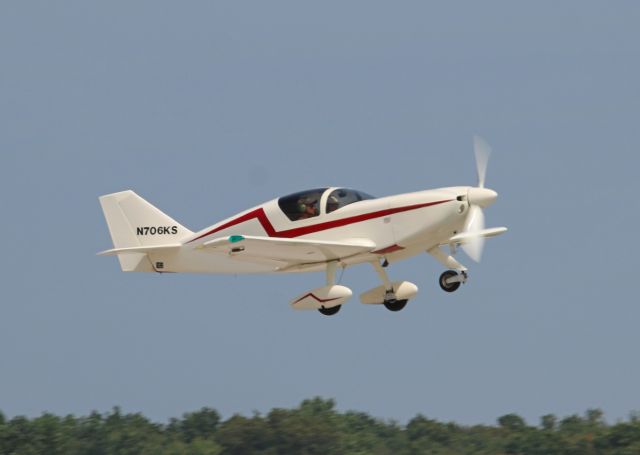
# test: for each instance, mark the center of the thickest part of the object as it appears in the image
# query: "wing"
(285, 252)
(464, 237)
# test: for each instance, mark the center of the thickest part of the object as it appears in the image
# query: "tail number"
(156, 230)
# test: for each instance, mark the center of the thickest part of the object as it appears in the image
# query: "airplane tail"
(135, 224)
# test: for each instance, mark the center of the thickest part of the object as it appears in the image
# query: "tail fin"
(133, 222)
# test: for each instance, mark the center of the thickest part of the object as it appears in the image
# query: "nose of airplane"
(482, 197)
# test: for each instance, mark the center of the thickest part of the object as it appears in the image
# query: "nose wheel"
(450, 280)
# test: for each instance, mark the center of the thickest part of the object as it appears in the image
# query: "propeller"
(482, 151)
(475, 223)
(478, 197)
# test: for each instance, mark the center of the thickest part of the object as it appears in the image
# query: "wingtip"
(116, 194)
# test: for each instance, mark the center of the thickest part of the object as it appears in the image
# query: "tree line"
(314, 427)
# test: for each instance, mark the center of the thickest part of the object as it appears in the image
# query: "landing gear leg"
(331, 272)
(331, 281)
(390, 302)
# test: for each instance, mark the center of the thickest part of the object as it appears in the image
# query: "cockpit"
(307, 204)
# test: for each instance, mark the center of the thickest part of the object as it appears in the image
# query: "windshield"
(343, 196)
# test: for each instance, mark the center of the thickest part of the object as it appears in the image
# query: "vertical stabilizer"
(134, 222)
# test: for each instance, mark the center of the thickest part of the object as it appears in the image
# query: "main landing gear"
(394, 296)
(331, 281)
(390, 301)
(326, 299)
(394, 304)
(330, 311)
(329, 299)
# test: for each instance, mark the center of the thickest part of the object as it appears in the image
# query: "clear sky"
(208, 108)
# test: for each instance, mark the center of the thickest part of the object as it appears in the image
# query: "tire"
(395, 305)
(448, 287)
(330, 311)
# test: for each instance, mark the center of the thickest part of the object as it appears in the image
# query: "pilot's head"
(307, 206)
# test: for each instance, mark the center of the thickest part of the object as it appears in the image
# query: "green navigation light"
(236, 238)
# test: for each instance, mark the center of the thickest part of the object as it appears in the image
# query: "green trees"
(314, 427)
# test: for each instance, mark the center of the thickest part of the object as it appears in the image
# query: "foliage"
(314, 427)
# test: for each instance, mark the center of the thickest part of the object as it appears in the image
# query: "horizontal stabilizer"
(139, 249)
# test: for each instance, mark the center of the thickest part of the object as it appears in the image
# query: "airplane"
(316, 230)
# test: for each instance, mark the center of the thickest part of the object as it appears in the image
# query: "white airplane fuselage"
(400, 226)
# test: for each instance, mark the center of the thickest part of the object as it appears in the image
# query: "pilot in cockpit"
(308, 208)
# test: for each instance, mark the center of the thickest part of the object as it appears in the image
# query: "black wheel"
(330, 311)
(395, 305)
(449, 287)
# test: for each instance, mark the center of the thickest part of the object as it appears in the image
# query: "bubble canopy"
(306, 204)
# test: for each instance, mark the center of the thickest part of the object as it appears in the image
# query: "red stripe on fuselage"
(304, 230)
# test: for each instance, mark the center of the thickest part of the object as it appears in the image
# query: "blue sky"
(208, 108)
